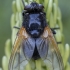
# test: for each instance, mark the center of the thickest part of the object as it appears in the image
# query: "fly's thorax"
(34, 24)
(34, 19)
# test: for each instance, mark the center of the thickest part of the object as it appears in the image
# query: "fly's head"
(34, 19)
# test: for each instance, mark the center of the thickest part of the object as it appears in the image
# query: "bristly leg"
(16, 27)
(53, 30)
(59, 42)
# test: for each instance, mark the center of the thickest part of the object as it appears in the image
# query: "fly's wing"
(42, 47)
(50, 55)
(28, 47)
(17, 60)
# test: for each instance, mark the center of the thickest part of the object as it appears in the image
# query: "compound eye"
(28, 7)
(41, 6)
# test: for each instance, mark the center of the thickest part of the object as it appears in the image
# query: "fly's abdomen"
(35, 54)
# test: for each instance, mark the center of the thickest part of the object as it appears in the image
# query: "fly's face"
(35, 26)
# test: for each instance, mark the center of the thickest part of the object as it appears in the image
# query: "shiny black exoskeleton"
(34, 19)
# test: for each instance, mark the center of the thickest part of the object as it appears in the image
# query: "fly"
(35, 40)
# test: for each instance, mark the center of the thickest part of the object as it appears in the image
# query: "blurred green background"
(5, 14)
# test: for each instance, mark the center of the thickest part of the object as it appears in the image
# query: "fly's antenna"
(23, 1)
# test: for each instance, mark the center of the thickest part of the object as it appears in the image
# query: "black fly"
(35, 40)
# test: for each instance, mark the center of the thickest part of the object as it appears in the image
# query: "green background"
(5, 14)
